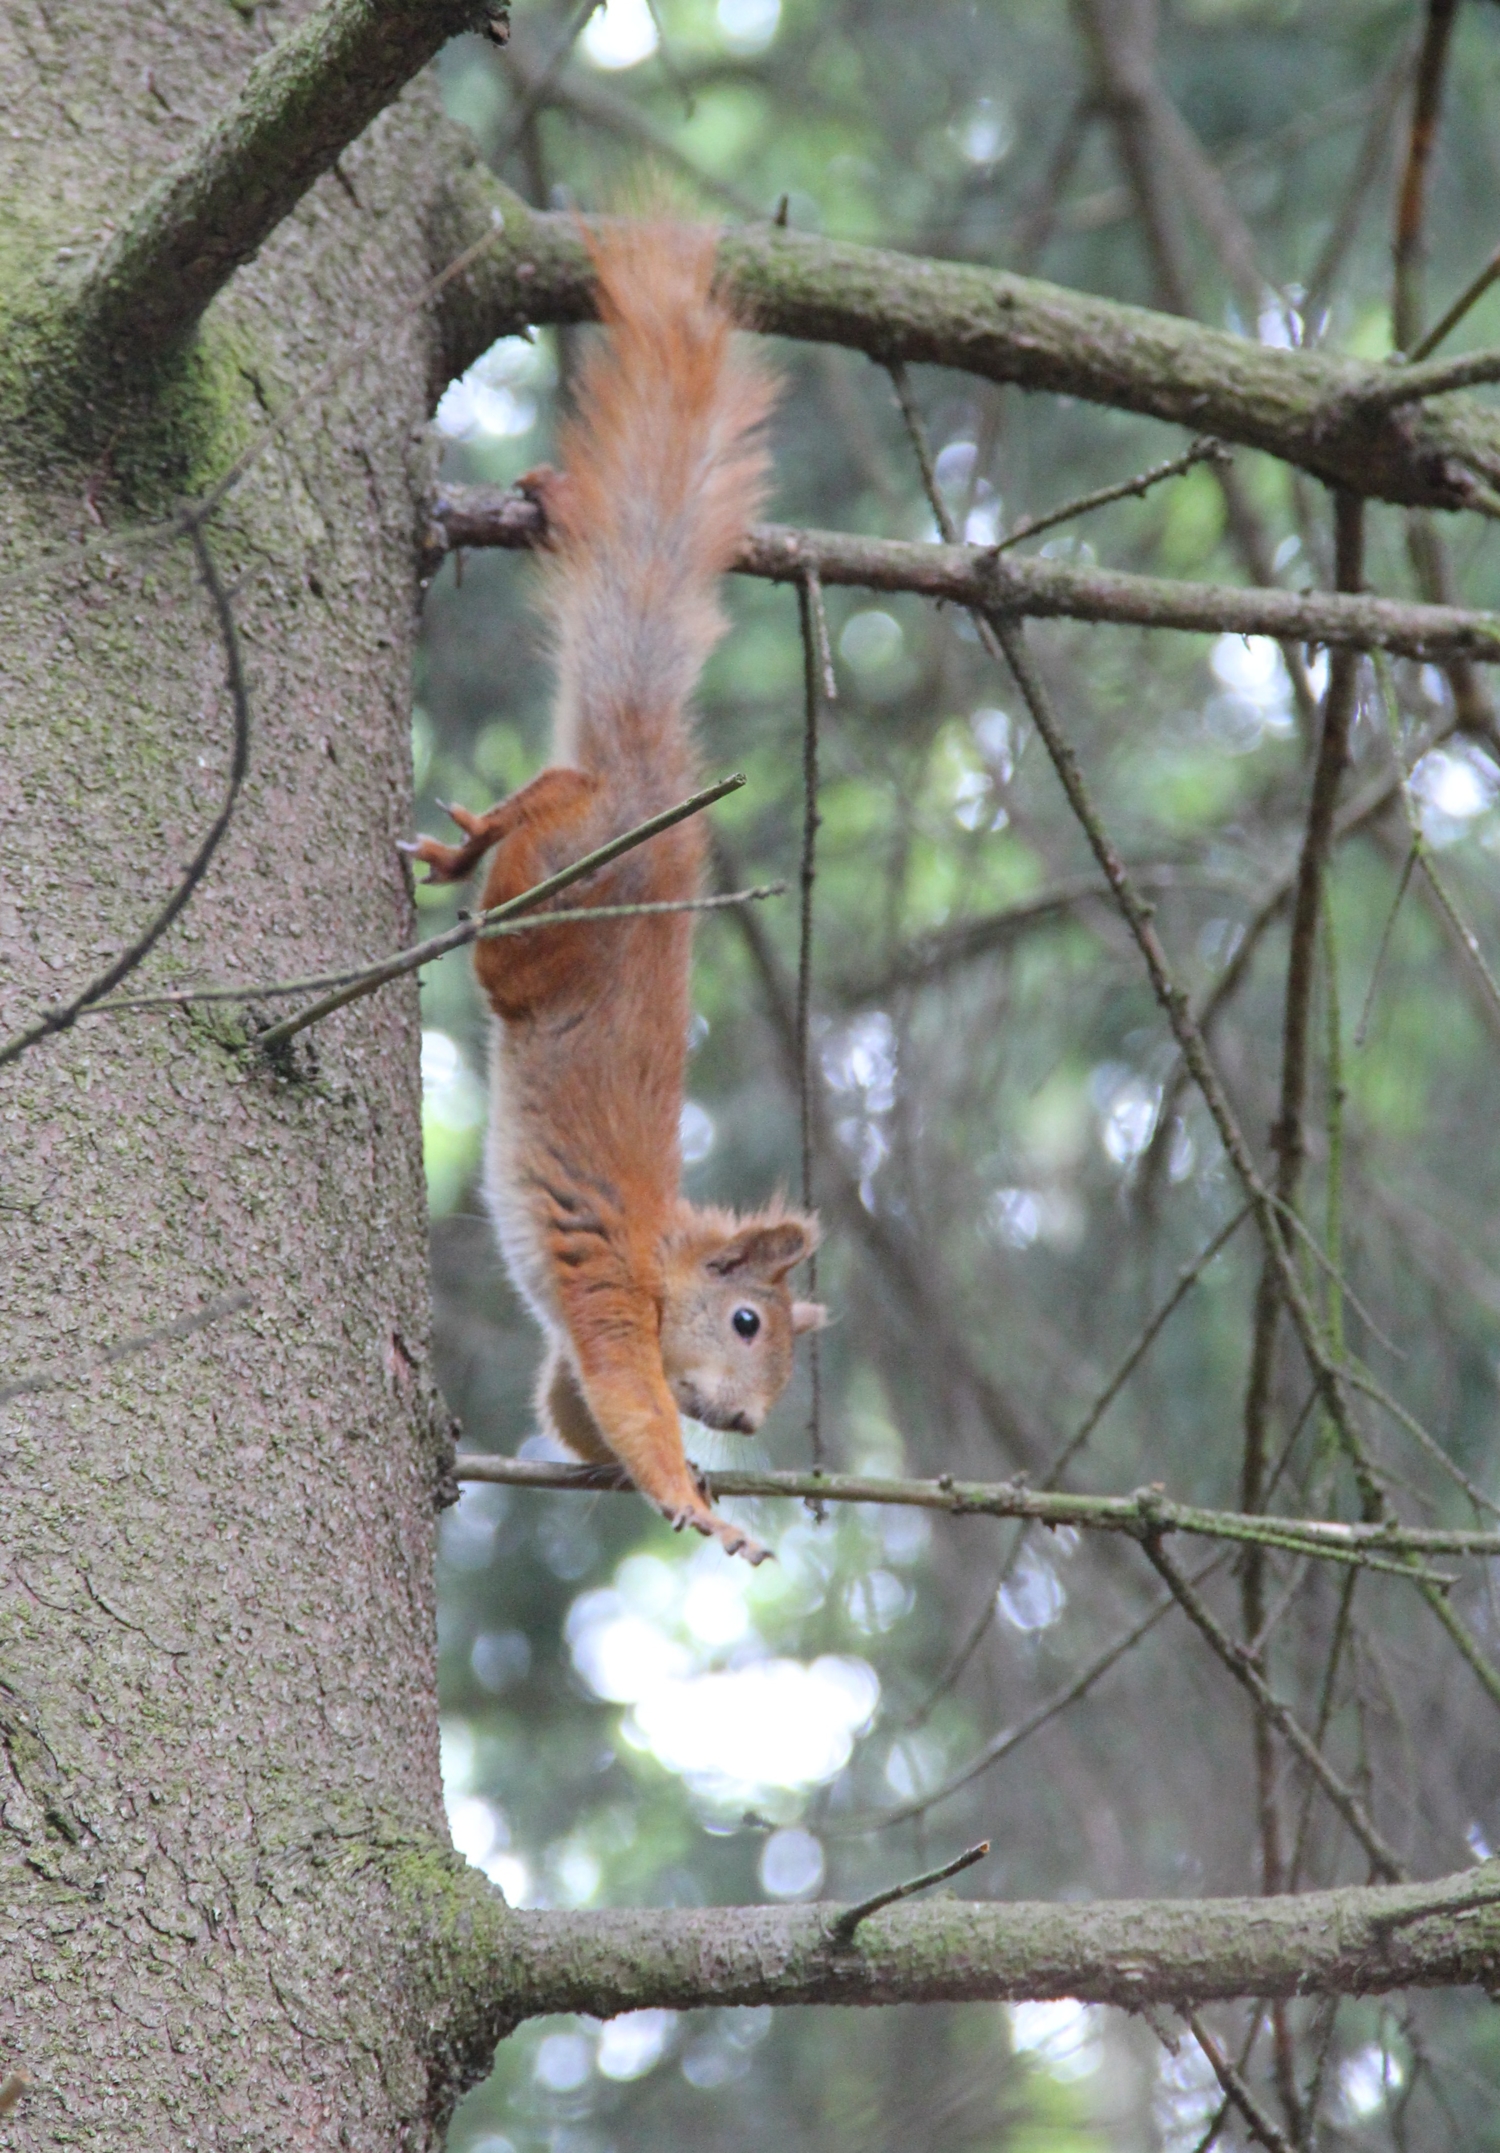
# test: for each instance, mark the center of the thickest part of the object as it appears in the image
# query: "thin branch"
(1262, 2127)
(378, 975)
(462, 517)
(572, 92)
(1002, 633)
(1010, 1739)
(1411, 196)
(1205, 450)
(61, 1373)
(1361, 1940)
(1401, 385)
(1187, 1278)
(1373, 150)
(1138, 1516)
(1240, 1663)
(302, 103)
(425, 952)
(841, 1930)
(67, 1014)
(537, 90)
(1302, 406)
(1470, 296)
(817, 682)
(933, 956)
(1382, 947)
(1289, 1142)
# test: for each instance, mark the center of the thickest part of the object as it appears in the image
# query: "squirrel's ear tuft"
(764, 1249)
(808, 1316)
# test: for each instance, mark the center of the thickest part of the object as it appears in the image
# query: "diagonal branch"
(276, 1036)
(1241, 1662)
(304, 102)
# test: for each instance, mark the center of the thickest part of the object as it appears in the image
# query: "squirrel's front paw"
(735, 1539)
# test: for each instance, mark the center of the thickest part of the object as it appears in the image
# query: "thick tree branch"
(463, 516)
(304, 102)
(1307, 407)
(1363, 1940)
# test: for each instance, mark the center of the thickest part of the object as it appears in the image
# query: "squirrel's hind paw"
(444, 863)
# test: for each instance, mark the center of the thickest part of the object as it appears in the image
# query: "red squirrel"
(651, 1304)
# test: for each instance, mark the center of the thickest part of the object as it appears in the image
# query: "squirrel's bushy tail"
(665, 467)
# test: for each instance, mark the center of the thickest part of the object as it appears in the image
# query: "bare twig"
(570, 91)
(378, 975)
(1001, 632)
(67, 1014)
(1187, 1278)
(1433, 377)
(817, 682)
(270, 990)
(1470, 296)
(932, 956)
(539, 87)
(1147, 1512)
(1010, 1739)
(1385, 1861)
(841, 1930)
(1205, 450)
(1289, 1140)
(1369, 160)
(1411, 199)
(471, 516)
(1261, 2127)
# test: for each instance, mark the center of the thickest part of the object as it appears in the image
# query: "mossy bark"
(226, 1889)
(1306, 407)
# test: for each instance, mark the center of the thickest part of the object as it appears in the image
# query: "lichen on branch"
(307, 99)
(1314, 409)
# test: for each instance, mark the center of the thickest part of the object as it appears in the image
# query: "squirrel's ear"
(808, 1316)
(765, 1249)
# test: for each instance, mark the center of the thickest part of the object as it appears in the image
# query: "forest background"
(1011, 1169)
(1177, 1385)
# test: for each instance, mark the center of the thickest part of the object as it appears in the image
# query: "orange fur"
(645, 1299)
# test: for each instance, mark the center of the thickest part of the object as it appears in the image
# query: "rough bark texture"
(227, 1884)
(943, 1950)
(303, 102)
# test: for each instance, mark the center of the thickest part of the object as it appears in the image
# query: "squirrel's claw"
(735, 1539)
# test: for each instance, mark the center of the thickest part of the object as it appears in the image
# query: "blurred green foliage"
(1010, 1178)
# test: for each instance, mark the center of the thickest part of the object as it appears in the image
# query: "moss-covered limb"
(1364, 1940)
(467, 516)
(1310, 408)
(304, 102)
(1147, 1512)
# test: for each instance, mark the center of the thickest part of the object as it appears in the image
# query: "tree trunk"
(225, 1859)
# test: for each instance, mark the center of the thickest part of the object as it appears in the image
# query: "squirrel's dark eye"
(746, 1322)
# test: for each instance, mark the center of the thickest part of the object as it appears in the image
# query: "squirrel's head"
(728, 1317)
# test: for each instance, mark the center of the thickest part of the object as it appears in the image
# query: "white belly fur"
(515, 1229)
